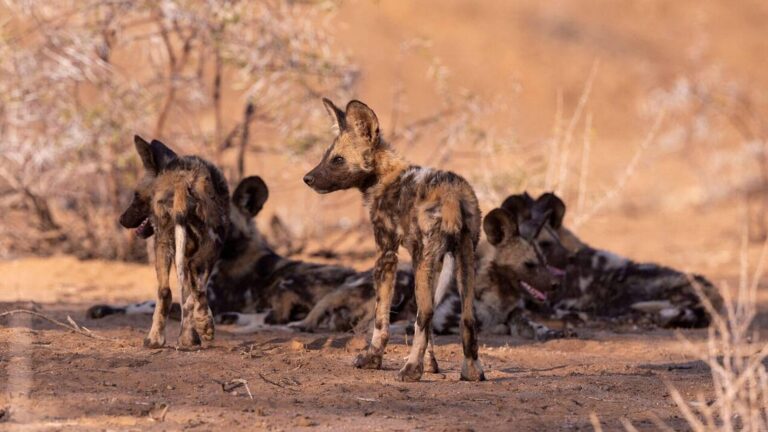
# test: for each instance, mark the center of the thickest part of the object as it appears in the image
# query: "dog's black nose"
(308, 179)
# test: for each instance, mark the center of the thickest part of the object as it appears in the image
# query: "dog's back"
(192, 193)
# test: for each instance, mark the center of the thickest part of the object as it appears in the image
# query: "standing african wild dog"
(183, 201)
(253, 287)
(601, 284)
(434, 214)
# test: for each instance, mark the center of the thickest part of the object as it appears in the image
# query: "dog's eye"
(530, 265)
(338, 160)
(545, 244)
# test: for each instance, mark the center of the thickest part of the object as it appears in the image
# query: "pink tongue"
(534, 292)
(556, 272)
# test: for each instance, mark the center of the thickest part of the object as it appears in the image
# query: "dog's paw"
(430, 363)
(99, 311)
(301, 326)
(189, 338)
(547, 334)
(204, 327)
(154, 341)
(367, 360)
(411, 372)
(472, 371)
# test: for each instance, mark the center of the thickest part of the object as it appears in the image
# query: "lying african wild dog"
(251, 285)
(513, 272)
(600, 284)
(183, 200)
(434, 214)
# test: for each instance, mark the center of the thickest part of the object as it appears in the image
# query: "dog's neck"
(387, 167)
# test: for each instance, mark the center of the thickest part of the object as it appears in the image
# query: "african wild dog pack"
(528, 267)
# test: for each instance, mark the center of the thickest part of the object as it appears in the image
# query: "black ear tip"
(137, 139)
(355, 103)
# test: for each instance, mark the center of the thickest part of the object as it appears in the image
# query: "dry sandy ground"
(58, 380)
(61, 380)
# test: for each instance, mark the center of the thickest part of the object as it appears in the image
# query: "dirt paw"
(301, 326)
(189, 339)
(430, 364)
(550, 335)
(204, 327)
(154, 342)
(367, 360)
(472, 371)
(411, 372)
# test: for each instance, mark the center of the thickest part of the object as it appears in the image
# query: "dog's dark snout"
(309, 179)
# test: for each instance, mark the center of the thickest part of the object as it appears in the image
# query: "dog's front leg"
(163, 259)
(384, 278)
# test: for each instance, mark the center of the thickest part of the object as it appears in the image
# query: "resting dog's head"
(349, 160)
(517, 257)
(555, 241)
(155, 157)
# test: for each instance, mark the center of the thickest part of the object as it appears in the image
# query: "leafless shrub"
(719, 123)
(78, 79)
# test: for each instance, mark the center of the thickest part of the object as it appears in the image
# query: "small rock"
(356, 344)
(305, 422)
(297, 345)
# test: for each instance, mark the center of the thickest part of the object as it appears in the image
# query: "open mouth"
(145, 229)
(538, 295)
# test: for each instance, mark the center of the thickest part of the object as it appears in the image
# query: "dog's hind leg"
(156, 336)
(425, 278)
(202, 316)
(443, 285)
(471, 370)
(188, 336)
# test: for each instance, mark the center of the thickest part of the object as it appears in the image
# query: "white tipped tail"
(180, 239)
(445, 278)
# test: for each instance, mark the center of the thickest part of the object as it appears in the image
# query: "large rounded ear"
(155, 156)
(161, 154)
(549, 202)
(519, 206)
(336, 114)
(362, 121)
(250, 195)
(498, 225)
(145, 153)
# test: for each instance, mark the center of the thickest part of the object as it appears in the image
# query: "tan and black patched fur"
(251, 278)
(513, 273)
(183, 201)
(252, 286)
(433, 214)
(599, 284)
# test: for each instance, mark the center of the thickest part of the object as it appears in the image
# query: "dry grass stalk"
(584, 170)
(613, 193)
(565, 147)
(736, 358)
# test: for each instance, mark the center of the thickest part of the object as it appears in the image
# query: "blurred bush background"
(644, 115)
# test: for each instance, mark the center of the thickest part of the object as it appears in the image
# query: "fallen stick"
(72, 326)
